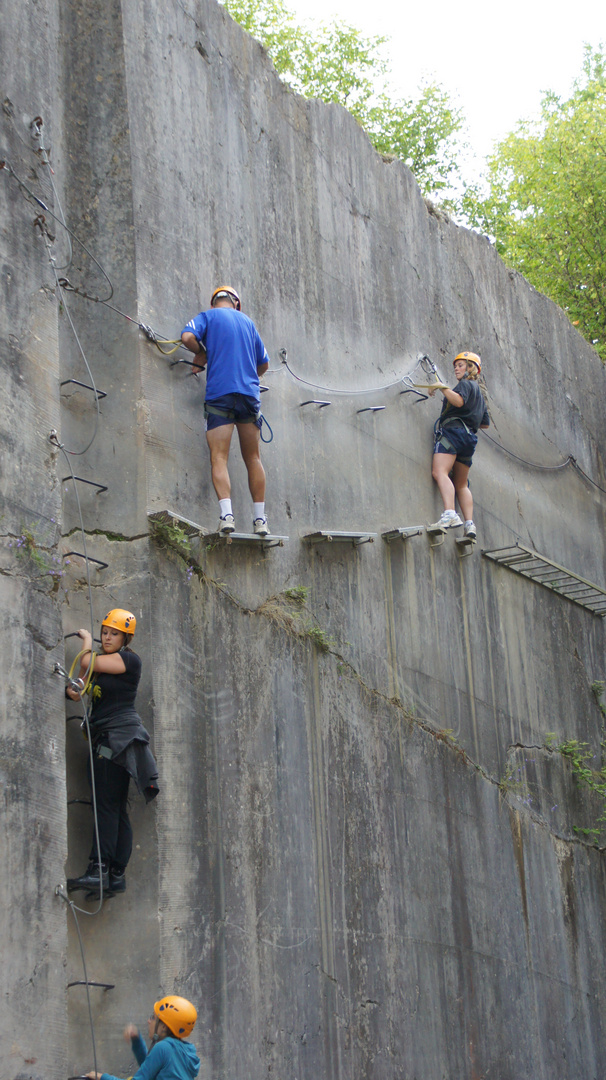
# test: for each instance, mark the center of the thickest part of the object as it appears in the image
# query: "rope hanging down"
(65, 283)
(4, 164)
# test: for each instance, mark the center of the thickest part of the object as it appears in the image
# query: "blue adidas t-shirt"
(234, 351)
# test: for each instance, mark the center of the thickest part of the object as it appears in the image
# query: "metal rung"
(326, 536)
(464, 546)
(93, 483)
(84, 982)
(538, 568)
(99, 393)
(435, 534)
(83, 802)
(314, 401)
(102, 565)
(420, 396)
(371, 408)
(403, 534)
(168, 517)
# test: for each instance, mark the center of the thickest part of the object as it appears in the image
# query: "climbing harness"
(230, 414)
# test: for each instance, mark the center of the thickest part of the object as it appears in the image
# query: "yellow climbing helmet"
(226, 290)
(469, 357)
(178, 1014)
(121, 620)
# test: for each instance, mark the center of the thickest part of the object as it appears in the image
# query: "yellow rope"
(167, 352)
(89, 673)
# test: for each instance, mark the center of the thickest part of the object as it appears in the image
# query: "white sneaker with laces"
(226, 525)
(449, 520)
(260, 526)
(470, 530)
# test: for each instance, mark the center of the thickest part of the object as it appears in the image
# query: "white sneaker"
(226, 525)
(470, 530)
(260, 526)
(449, 520)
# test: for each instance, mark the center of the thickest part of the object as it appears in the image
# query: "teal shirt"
(169, 1059)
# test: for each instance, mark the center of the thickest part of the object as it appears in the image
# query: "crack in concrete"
(107, 533)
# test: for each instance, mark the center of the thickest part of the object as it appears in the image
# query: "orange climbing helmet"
(121, 620)
(178, 1014)
(226, 290)
(470, 357)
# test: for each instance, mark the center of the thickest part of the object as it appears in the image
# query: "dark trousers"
(115, 832)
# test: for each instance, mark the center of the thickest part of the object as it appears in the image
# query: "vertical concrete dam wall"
(365, 861)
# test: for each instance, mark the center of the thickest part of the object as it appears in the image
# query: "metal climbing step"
(191, 528)
(330, 536)
(530, 564)
(403, 533)
(168, 517)
(247, 539)
(464, 545)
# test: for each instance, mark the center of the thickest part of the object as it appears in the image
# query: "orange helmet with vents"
(121, 620)
(469, 357)
(178, 1014)
(226, 290)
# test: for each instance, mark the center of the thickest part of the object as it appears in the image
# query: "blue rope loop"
(271, 434)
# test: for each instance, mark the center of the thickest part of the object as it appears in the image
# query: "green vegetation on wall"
(335, 62)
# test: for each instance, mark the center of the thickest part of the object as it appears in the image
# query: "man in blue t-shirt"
(229, 347)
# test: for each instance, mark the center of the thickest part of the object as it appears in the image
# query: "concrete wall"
(332, 872)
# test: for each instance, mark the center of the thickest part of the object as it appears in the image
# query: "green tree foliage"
(338, 63)
(546, 201)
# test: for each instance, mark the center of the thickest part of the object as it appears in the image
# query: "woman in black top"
(120, 749)
(463, 412)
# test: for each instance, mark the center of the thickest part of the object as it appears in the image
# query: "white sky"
(494, 59)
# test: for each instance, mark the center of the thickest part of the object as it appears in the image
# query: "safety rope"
(44, 156)
(60, 892)
(65, 283)
(329, 389)
(531, 464)
(75, 453)
(4, 164)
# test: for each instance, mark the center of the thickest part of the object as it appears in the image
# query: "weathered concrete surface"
(341, 888)
(33, 842)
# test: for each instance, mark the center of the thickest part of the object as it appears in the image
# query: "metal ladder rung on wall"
(531, 564)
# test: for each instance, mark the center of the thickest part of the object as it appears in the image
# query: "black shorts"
(456, 440)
